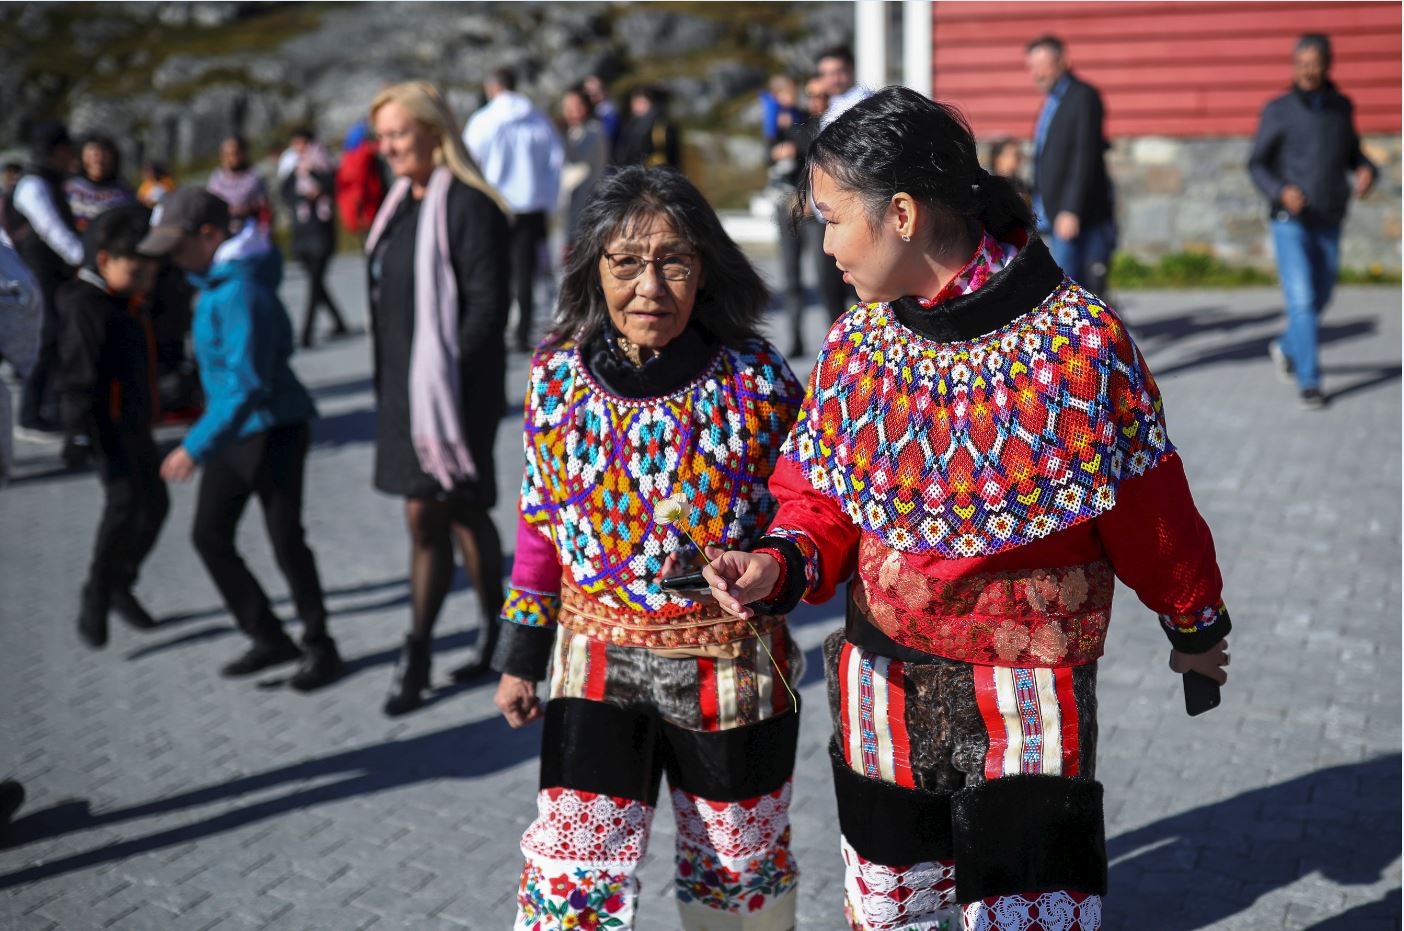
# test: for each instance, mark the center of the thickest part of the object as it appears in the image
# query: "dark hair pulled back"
(730, 304)
(900, 141)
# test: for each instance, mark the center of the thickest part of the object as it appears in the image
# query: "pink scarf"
(436, 429)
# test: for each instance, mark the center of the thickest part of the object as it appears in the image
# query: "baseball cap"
(181, 213)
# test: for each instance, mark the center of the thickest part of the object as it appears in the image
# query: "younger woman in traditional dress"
(983, 445)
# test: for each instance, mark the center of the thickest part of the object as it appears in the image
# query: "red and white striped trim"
(1030, 716)
(873, 696)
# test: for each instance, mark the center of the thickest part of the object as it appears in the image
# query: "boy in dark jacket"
(107, 392)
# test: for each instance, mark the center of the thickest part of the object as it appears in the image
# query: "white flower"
(673, 509)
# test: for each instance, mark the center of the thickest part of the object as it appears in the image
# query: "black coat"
(1071, 172)
(649, 140)
(478, 243)
(105, 373)
(313, 219)
(1311, 147)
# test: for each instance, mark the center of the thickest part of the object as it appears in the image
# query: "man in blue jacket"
(1306, 145)
(253, 437)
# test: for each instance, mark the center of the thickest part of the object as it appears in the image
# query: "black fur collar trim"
(1015, 290)
(678, 363)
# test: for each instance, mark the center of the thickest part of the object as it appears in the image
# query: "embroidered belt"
(706, 631)
(1027, 617)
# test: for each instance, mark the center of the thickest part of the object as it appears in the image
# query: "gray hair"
(730, 305)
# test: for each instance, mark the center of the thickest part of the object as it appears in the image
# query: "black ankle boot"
(92, 618)
(321, 665)
(130, 610)
(411, 678)
(261, 655)
(479, 665)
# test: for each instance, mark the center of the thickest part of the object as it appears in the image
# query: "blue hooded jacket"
(243, 340)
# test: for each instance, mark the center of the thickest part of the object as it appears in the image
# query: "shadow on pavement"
(204, 614)
(344, 429)
(337, 389)
(1153, 334)
(1374, 375)
(56, 472)
(184, 640)
(461, 752)
(1255, 348)
(1207, 864)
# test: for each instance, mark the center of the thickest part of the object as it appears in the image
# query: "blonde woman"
(437, 262)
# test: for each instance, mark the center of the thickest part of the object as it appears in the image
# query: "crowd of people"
(683, 492)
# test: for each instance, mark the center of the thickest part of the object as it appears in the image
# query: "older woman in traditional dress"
(654, 417)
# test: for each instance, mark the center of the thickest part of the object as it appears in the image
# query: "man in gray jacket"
(1306, 145)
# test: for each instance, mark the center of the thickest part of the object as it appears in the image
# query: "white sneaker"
(1286, 371)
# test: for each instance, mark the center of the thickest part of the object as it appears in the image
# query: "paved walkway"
(164, 797)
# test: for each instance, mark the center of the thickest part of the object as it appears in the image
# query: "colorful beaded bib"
(973, 447)
(597, 464)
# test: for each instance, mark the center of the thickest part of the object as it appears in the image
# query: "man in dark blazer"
(1072, 192)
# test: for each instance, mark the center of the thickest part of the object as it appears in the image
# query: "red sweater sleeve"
(1161, 547)
(818, 526)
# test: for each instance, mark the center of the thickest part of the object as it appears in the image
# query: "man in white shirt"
(521, 154)
(835, 69)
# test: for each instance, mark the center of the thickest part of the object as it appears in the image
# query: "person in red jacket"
(982, 451)
(360, 180)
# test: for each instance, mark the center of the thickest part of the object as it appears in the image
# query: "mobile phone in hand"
(1201, 693)
(687, 582)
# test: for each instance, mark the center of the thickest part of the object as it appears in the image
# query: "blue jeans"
(1086, 257)
(1308, 258)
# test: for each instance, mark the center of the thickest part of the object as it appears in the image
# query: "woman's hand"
(178, 466)
(516, 699)
(739, 578)
(673, 566)
(1208, 664)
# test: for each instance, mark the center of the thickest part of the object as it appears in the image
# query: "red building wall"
(1165, 69)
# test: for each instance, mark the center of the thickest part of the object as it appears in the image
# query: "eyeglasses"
(626, 266)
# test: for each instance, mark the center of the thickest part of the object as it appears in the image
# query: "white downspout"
(918, 40)
(870, 43)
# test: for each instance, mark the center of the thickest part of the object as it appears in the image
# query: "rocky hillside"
(169, 80)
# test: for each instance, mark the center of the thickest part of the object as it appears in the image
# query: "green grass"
(1375, 274)
(1183, 270)
(1200, 270)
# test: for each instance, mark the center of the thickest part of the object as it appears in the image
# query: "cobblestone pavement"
(164, 797)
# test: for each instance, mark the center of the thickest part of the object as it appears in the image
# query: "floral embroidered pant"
(989, 772)
(614, 728)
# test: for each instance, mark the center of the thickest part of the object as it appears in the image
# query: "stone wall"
(1178, 195)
